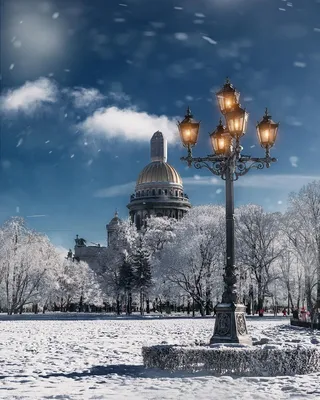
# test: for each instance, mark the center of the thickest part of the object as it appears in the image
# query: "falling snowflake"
(50, 151)
(19, 142)
(55, 15)
(208, 39)
(65, 115)
(72, 156)
(149, 33)
(181, 36)
(48, 141)
(299, 64)
(11, 66)
(294, 161)
(178, 8)
(199, 15)
(218, 191)
(119, 20)
(17, 44)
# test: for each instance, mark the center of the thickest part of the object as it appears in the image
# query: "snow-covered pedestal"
(230, 325)
(260, 360)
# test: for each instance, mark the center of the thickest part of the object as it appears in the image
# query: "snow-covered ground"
(101, 359)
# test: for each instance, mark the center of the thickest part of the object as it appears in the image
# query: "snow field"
(101, 359)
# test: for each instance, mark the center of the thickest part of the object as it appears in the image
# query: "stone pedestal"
(230, 325)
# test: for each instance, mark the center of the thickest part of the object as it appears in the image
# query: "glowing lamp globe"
(221, 140)
(267, 131)
(237, 122)
(228, 98)
(189, 130)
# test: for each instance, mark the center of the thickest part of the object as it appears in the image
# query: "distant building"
(158, 192)
(159, 188)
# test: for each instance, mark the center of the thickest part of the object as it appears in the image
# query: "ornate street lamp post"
(228, 163)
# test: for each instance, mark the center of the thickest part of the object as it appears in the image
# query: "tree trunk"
(118, 306)
(260, 299)
(129, 304)
(141, 302)
(148, 306)
(81, 304)
(309, 296)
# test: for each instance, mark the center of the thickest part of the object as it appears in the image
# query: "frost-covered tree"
(25, 261)
(193, 261)
(258, 247)
(114, 261)
(304, 234)
(158, 232)
(142, 274)
(78, 284)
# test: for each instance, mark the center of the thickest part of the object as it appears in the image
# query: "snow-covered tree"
(142, 273)
(258, 248)
(114, 261)
(158, 232)
(193, 261)
(25, 261)
(77, 284)
(304, 234)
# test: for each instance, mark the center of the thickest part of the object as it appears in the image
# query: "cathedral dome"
(159, 171)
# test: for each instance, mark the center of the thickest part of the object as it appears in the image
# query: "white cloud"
(117, 190)
(129, 124)
(29, 96)
(294, 161)
(84, 97)
(285, 182)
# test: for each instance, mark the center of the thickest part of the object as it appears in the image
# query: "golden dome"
(159, 171)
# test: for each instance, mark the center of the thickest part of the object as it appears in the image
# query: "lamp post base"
(230, 325)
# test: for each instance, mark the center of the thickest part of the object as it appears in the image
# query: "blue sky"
(85, 84)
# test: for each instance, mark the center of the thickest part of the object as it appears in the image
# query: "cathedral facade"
(158, 192)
